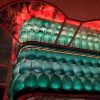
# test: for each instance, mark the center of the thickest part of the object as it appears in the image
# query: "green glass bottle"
(78, 85)
(67, 83)
(55, 82)
(30, 81)
(96, 84)
(43, 81)
(88, 86)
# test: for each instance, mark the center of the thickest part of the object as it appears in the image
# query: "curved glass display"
(34, 24)
(47, 70)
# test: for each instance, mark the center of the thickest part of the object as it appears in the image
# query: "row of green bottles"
(51, 66)
(43, 29)
(55, 82)
(66, 58)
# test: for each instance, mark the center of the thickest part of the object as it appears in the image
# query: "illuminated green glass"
(36, 28)
(57, 68)
(31, 21)
(58, 26)
(68, 40)
(88, 85)
(15, 72)
(84, 44)
(50, 30)
(53, 38)
(19, 85)
(37, 66)
(30, 81)
(77, 42)
(90, 43)
(30, 54)
(97, 85)
(25, 66)
(46, 24)
(25, 23)
(47, 37)
(62, 40)
(78, 85)
(39, 22)
(43, 81)
(44, 29)
(52, 25)
(28, 27)
(56, 31)
(39, 36)
(32, 34)
(55, 82)
(77, 70)
(68, 69)
(95, 70)
(48, 67)
(97, 46)
(67, 83)
(21, 56)
(86, 70)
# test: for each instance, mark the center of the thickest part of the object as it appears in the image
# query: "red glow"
(47, 12)
(13, 58)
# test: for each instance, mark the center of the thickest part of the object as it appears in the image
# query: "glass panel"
(67, 32)
(25, 66)
(55, 82)
(78, 85)
(67, 83)
(30, 81)
(88, 84)
(43, 81)
(87, 37)
(43, 26)
(96, 84)
(19, 85)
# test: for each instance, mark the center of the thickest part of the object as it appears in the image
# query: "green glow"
(21, 56)
(90, 45)
(31, 21)
(55, 82)
(32, 34)
(39, 22)
(84, 44)
(25, 67)
(43, 81)
(36, 66)
(78, 85)
(30, 54)
(19, 83)
(62, 40)
(53, 38)
(48, 68)
(46, 23)
(67, 83)
(88, 85)
(30, 81)
(97, 85)
(39, 36)
(77, 42)
(47, 37)
(81, 40)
